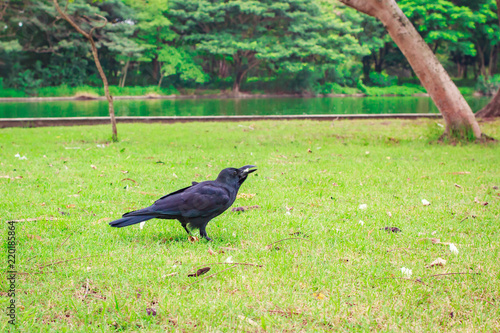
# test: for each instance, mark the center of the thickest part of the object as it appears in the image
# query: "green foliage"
(488, 86)
(404, 90)
(179, 61)
(382, 79)
(292, 36)
(290, 46)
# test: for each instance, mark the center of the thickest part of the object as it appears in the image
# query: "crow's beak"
(244, 171)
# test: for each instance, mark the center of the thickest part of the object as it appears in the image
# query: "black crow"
(195, 205)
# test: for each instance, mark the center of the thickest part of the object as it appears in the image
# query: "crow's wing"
(176, 192)
(202, 200)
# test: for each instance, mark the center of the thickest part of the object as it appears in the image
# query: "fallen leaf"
(70, 206)
(248, 320)
(425, 202)
(389, 214)
(151, 312)
(211, 252)
(456, 185)
(459, 173)
(35, 237)
(74, 195)
(93, 166)
(319, 296)
(199, 272)
(335, 184)
(437, 262)
(309, 150)
(18, 177)
(6, 177)
(171, 274)
(435, 240)
(129, 179)
(193, 239)
(393, 229)
(124, 171)
(245, 196)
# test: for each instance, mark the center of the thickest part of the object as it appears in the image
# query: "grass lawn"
(80, 275)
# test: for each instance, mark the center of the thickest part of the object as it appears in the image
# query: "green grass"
(356, 269)
(67, 91)
(404, 90)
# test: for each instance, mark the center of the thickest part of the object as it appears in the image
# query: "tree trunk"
(367, 64)
(445, 94)
(97, 63)
(125, 70)
(237, 82)
(492, 109)
(156, 68)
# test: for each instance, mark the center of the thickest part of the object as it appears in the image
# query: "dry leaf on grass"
(245, 196)
(193, 239)
(199, 272)
(248, 320)
(35, 237)
(459, 173)
(93, 166)
(171, 274)
(211, 252)
(437, 262)
(319, 296)
(129, 179)
(425, 202)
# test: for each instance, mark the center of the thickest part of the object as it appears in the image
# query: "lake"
(230, 106)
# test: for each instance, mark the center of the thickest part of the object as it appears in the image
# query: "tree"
(456, 112)
(288, 35)
(492, 109)
(89, 37)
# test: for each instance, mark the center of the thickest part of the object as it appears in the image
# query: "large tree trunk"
(492, 109)
(237, 82)
(97, 63)
(445, 94)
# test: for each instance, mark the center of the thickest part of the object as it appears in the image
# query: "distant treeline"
(319, 46)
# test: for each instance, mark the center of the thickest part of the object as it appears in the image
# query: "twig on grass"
(289, 313)
(269, 246)
(62, 261)
(485, 300)
(232, 263)
(453, 274)
(65, 240)
(206, 277)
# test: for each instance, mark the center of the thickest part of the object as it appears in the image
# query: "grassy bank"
(78, 274)
(89, 91)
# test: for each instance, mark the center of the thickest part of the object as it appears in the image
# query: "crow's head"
(233, 176)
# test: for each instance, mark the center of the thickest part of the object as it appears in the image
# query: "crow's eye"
(235, 173)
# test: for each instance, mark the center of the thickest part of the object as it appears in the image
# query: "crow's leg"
(203, 233)
(185, 228)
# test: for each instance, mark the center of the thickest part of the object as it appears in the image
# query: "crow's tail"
(129, 220)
